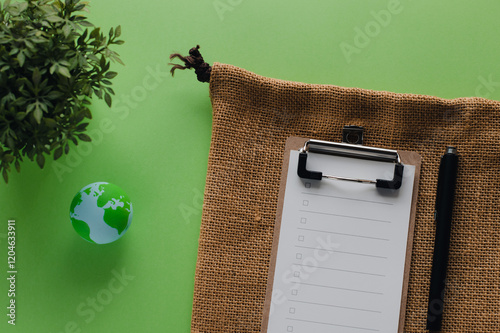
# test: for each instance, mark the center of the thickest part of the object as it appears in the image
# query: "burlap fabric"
(253, 116)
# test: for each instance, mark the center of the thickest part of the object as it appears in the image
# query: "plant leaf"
(95, 33)
(36, 76)
(40, 159)
(81, 39)
(10, 143)
(31, 107)
(88, 114)
(118, 60)
(50, 123)
(54, 94)
(118, 31)
(98, 93)
(54, 19)
(86, 24)
(8, 158)
(107, 98)
(58, 153)
(110, 75)
(64, 71)
(66, 30)
(79, 7)
(53, 68)
(38, 114)
(20, 116)
(23, 6)
(84, 137)
(81, 127)
(21, 58)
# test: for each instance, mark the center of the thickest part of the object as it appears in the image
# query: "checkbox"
(292, 310)
(289, 329)
(308, 185)
(301, 238)
(305, 202)
(303, 220)
(299, 256)
(294, 292)
(296, 274)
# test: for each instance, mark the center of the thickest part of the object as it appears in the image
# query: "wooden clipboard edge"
(410, 158)
(295, 143)
(292, 143)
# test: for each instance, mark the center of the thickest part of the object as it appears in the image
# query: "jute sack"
(252, 118)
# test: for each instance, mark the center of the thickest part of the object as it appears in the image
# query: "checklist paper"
(342, 249)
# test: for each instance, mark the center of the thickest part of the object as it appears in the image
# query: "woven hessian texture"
(252, 118)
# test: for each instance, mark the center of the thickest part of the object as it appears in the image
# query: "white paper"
(342, 249)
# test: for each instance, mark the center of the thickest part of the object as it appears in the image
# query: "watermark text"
(11, 271)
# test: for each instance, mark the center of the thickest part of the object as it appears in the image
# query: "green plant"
(52, 61)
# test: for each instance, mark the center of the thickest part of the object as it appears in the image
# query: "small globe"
(101, 212)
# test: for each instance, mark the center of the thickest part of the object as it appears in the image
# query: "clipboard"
(355, 278)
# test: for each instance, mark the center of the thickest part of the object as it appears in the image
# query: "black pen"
(444, 206)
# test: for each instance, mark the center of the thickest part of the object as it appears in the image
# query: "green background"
(154, 142)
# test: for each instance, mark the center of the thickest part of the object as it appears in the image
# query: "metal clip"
(354, 151)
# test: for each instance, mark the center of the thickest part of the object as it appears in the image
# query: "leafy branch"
(52, 62)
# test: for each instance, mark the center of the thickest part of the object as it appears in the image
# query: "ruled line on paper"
(332, 324)
(343, 252)
(346, 198)
(346, 216)
(344, 234)
(340, 288)
(336, 306)
(342, 270)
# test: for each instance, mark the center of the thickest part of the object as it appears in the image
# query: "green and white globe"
(101, 212)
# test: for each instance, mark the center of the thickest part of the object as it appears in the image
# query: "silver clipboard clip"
(353, 151)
